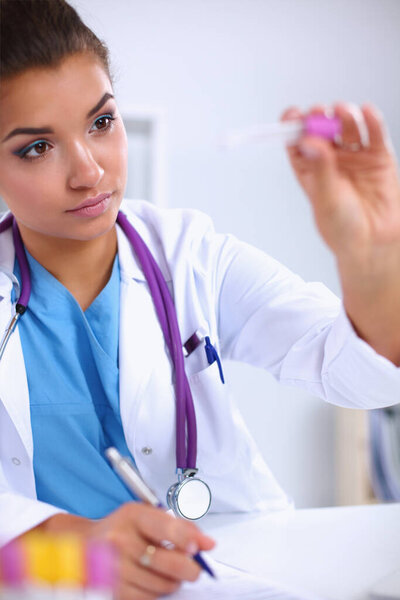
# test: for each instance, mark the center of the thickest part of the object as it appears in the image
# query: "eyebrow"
(36, 130)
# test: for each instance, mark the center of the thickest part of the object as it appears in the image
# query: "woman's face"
(80, 152)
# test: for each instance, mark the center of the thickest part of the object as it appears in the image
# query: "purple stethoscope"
(189, 497)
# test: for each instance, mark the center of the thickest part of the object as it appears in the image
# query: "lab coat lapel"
(142, 351)
(13, 383)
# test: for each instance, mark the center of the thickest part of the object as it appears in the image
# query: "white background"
(220, 64)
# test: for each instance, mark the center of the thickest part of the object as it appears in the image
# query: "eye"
(104, 122)
(34, 151)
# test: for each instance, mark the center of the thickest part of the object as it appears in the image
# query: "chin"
(97, 228)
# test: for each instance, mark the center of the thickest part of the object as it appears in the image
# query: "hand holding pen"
(148, 568)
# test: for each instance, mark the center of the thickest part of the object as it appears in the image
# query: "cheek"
(118, 157)
(25, 189)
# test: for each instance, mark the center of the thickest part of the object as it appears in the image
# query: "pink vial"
(100, 571)
(13, 570)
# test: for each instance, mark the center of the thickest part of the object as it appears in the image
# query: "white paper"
(234, 584)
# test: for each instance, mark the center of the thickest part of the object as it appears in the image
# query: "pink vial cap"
(100, 565)
(12, 564)
(322, 126)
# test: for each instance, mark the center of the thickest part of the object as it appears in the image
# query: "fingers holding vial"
(362, 127)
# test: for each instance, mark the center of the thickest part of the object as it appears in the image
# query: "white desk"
(337, 553)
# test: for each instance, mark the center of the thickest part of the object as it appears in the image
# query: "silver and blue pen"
(130, 476)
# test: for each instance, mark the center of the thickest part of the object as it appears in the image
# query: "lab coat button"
(16, 461)
(146, 450)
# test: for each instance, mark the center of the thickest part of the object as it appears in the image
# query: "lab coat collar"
(7, 258)
(129, 264)
(7, 252)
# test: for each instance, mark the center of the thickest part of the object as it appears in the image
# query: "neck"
(83, 267)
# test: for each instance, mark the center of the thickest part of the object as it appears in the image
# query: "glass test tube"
(288, 132)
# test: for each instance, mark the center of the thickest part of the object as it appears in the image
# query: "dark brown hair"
(41, 33)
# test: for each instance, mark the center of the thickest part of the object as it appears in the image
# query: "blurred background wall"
(212, 65)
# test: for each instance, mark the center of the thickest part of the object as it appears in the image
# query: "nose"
(84, 171)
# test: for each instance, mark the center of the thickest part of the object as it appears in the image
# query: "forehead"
(40, 95)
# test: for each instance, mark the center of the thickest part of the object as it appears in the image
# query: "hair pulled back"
(41, 33)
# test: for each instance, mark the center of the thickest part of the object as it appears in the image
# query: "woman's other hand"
(354, 190)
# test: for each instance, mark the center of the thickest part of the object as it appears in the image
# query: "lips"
(91, 202)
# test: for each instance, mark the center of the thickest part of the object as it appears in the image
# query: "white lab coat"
(254, 310)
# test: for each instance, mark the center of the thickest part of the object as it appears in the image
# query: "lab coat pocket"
(196, 361)
(201, 357)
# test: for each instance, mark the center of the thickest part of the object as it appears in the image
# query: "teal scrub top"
(71, 360)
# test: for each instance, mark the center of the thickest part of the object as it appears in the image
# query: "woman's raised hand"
(354, 190)
(355, 194)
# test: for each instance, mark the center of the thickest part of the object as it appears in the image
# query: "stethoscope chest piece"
(189, 498)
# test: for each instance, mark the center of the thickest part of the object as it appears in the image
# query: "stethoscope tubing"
(166, 313)
(23, 300)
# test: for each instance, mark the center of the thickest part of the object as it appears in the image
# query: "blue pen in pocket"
(212, 356)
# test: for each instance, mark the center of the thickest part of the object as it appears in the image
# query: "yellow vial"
(70, 561)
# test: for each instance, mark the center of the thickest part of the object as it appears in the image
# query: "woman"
(88, 365)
